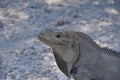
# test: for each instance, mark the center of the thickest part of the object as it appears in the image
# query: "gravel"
(24, 57)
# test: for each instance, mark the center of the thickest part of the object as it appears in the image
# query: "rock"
(11, 23)
(104, 38)
(46, 58)
(62, 23)
(19, 51)
(62, 77)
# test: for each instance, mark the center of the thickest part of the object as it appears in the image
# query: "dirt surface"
(24, 57)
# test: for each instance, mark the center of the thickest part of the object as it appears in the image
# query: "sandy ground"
(24, 57)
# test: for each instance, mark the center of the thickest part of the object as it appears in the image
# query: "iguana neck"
(111, 52)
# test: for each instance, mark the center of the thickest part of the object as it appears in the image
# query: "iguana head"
(54, 37)
(61, 41)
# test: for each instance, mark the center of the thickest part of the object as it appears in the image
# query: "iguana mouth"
(41, 38)
(44, 40)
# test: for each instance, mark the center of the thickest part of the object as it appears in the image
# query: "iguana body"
(78, 55)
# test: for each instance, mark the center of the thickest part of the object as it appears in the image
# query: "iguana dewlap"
(78, 55)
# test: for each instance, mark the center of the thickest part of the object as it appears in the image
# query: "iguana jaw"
(44, 40)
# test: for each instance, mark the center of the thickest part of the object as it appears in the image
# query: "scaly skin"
(78, 55)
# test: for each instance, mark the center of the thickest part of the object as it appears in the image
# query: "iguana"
(77, 55)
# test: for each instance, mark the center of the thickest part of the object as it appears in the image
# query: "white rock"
(104, 38)
(46, 58)
(62, 77)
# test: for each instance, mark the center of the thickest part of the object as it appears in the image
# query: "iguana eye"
(58, 36)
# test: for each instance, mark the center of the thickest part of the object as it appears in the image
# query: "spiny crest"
(111, 52)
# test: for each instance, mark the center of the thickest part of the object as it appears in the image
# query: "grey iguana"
(77, 55)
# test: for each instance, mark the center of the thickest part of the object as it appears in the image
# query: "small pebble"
(46, 58)
(61, 23)
(11, 23)
(62, 77)
(12, 75)
(104, 38)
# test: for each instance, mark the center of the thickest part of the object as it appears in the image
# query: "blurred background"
(24, 57)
